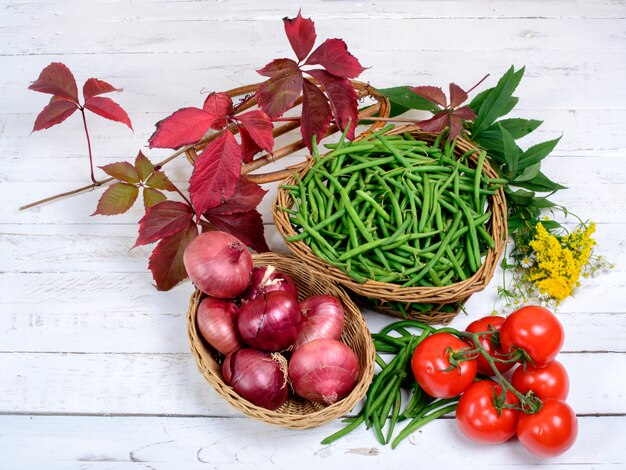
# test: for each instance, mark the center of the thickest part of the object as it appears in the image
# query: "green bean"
(479, 172)
(432, 262)
(318, 227)
(394, 415)
(473, 237)
(423, 419)
(342, 432)
(425, 204)
(485, 235)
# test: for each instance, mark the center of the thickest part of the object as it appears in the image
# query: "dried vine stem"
(190, 150)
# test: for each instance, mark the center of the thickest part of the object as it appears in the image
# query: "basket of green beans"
(398, 215)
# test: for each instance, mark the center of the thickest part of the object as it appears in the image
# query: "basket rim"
(389, 291)
(315, 418)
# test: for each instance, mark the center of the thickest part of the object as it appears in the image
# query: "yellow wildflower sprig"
(547, 266)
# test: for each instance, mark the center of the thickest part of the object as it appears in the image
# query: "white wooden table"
(95, 368)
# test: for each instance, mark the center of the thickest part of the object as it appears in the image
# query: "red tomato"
(550, 431)
(550, 381)
(487, 324)
(430, 361)
(534, 329)
(479, 419)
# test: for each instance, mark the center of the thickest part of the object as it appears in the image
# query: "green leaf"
(519, 197)
(117, 199)
(511, 152)
(152, 197)
(540, 183)
(497, 102)
(536, 153)
(402, 99)
(491, 139)
(143, 166)
(508, 107)
(516, 126)
(543, 203)
(158, 180)
(528, 174)
(122, 171)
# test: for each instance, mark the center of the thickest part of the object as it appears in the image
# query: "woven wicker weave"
(296, 413)
(457, 292)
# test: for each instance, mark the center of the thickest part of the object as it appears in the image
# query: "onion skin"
(270, 322)
(324, 371)
(218, 264)
(257, 377)
(217, 322)
(268, 279)
(322, 317)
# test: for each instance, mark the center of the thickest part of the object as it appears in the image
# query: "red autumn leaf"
(163, 220)
(278, 68)
(94, 87)
(159, 180)
(152, 197)
(435, 124)
(143, 166)
(333, 55)
(249, 148)
(56, 79)
(431, 93)
(343, 99)
(246, 197)
(247, 226)
(301, 34)
(215, 173)
(183, 127)
(57, 111)
(220, 105)
(280, 92)
(122, 171)
(316, 114)
(456, 126)
(166, 261)
(107, 108)
(466, 113)
(259, 127)
(457, 95)
(117, 199)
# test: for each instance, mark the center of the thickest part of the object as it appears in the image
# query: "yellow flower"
(560, 261)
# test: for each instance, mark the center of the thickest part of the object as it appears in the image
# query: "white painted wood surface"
(94, 364)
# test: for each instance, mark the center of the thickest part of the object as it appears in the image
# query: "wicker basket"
(385, 292)
(296, 413)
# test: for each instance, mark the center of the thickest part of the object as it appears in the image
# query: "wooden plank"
(542, 87)
(592, 133)
(47, 330)
(181, 10)
(164, 384)
(133, 443)
(101, 32)
(106, 248)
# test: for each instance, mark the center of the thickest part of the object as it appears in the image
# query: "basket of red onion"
(276, 341)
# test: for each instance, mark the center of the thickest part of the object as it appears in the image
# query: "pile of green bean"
(395, 209)
(383, 407)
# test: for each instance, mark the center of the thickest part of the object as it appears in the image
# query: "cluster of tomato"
(529, 404)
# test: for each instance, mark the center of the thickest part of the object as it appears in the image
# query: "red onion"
(218, 264)
(324, 371)
(217, 322)
(322, 317)
(268, 279)
(258, 377)
(270, 322)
